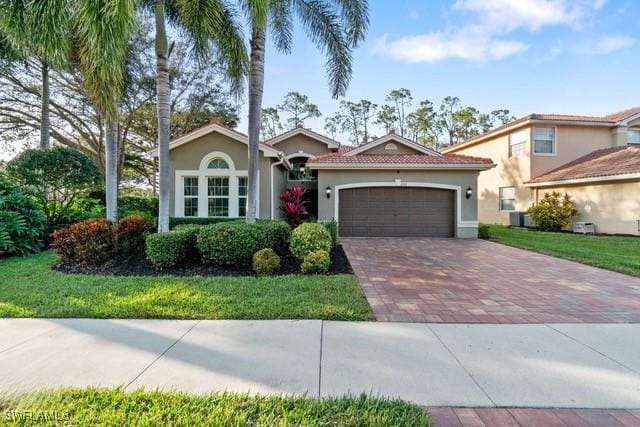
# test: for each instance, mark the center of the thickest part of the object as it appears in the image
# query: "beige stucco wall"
(572, 142)
(462, 179)
(509, 172)
(297, 143)
(613, 207)
(188, 157)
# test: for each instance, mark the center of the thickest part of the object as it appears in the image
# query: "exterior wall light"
(327, 191)
(469, 192)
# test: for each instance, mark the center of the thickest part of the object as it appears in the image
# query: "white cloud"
(611, 44)
(485, 38)
(438, 46)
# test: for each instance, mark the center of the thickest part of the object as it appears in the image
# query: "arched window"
(218, 163)
(391, 146)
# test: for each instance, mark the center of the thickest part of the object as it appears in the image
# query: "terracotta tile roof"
(599, 163)
(414, 159)
(608, 119)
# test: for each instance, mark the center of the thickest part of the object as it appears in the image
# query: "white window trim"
(203, 194)
(555, 142)
(515, 199)
(399, 183)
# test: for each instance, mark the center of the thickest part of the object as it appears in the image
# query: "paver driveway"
(454, 280)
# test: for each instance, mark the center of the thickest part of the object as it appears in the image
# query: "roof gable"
(306, 132)
(397, 139)
(216, 127)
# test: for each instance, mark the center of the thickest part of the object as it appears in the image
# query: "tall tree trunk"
(44, 117)
(163, 93)
(256, 88)
(111, 169)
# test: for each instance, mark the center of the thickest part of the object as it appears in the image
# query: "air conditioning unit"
(528, 222)
(584, 228)
(516, 219)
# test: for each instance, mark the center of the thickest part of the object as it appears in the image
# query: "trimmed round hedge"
(265, 262)
(316, 262)
(309, 237)
(166, 250)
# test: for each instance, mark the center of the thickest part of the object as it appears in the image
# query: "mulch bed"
(139, 266)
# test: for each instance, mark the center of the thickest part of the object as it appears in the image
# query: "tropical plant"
(294, 206)
(41, 30)
(309, 237)
(336, 27)
(22, 222)
(316, 262)
(554, 212)
(91, 242)
(58, 177)
(210, 26)
(265, 262)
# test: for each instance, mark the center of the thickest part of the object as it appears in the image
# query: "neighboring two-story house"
(596, 160)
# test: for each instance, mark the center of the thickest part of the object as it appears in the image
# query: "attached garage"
(396, 212)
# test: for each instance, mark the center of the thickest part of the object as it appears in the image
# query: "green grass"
(113, 407)
(617, 253)
(29, 288)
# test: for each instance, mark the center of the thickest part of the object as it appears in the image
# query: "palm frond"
(212, 27)
(281, 25)
(355, 15)
(104, 28)
(324, 27)
(49, 25)
(257, 11)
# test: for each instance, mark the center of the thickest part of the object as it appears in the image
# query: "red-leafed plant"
(130, 234)
(294, 206)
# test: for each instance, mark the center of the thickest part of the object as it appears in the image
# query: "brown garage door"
(396, 212)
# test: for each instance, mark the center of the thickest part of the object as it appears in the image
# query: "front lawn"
(113, 407)
(29, 288)
(617, 253)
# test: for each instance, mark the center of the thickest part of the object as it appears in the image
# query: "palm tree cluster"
(96, 34)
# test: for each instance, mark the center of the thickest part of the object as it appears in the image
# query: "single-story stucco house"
(387, 187)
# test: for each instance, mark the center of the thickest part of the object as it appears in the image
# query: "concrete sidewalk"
(543, 365)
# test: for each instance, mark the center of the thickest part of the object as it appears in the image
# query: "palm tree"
(103, 29)
(336, 27)
(38, 29)
(206, 24)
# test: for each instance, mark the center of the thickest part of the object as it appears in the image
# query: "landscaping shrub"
(165, 250)
(316, 262)
(332, 228)
(90, 242)
(554, 212)
(131, 233)
(294, 206)
(273, 234)
(22, 222)
(57, 177)
(146, 207)
(265, 262)
(483, 231)
(309, 237)
(175, 221)
(227, 243)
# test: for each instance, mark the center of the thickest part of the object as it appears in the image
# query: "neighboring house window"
(190, 196)
(218, 196)
(242, 196)
(517, 143)
(507, 199)
(633, 136)
(544, 142)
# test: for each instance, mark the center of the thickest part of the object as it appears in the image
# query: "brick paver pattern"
(528, 417)
(477, 281)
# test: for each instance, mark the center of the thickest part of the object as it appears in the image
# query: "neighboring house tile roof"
(611, 119)
(607, 162)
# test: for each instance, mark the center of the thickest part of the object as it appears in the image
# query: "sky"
(543, 56)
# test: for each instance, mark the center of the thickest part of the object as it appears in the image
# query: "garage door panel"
(396, 211)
